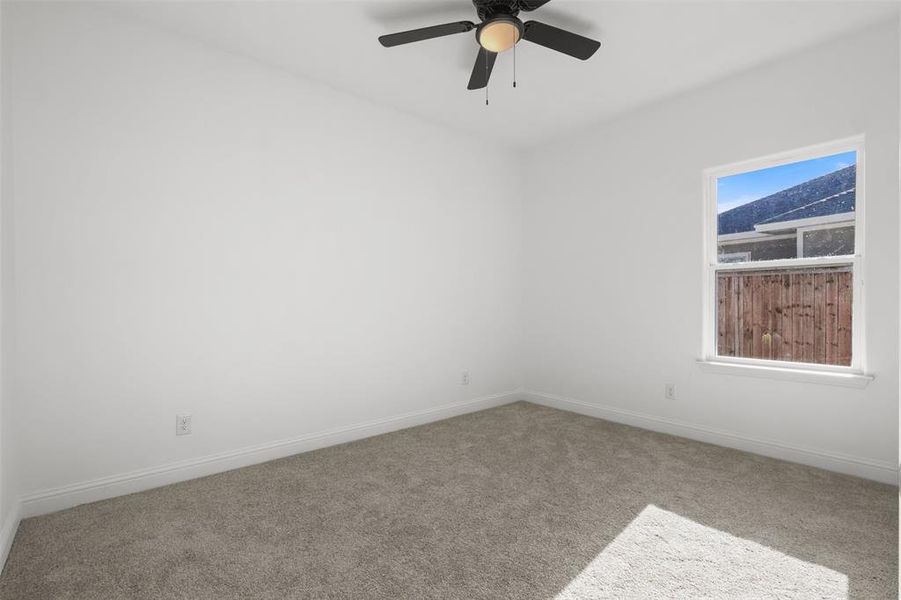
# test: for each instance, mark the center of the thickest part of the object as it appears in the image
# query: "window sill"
(842, 378)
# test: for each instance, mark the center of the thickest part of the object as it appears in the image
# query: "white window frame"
(853, 375)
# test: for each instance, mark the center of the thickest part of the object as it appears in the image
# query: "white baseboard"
(877, 470)
(51, 500)
(60, 498)
(8, 533)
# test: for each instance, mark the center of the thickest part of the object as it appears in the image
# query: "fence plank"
(729, 333)
(797, 333)
(757, 317)
(772, 321)
(807, 326)
(844, 319)
(785, 303)
(819, 318)
(830, 333)
(747, 306)
(721, 295)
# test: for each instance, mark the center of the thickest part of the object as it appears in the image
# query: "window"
(731, 257)
(783, 260)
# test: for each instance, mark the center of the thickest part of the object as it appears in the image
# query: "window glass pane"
(797, 315)
(768, 249)
(761, 214)
(835, 241)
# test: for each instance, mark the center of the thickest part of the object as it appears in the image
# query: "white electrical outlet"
(669, 391)
(182, 424)
(464, 378)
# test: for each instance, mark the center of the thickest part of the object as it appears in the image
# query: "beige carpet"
(519, 502)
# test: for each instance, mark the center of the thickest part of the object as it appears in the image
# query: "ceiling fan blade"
(560, 40)
(528, 5)
(481, 71)
(425, 33)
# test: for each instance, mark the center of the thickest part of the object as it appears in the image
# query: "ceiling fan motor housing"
(489, 9)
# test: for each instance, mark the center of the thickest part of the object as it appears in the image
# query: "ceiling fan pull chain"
(514, 64)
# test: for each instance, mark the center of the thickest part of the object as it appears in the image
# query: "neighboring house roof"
(841, 202)
(828, 194)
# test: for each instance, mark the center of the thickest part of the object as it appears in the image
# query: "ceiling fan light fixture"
(500, 34)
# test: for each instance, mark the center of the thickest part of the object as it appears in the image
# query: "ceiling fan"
(500, 29)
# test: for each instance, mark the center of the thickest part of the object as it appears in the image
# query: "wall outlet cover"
(182, 424)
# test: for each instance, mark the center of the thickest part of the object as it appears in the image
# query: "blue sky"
(736, 190)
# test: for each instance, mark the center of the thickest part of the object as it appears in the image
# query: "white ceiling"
(649, 50)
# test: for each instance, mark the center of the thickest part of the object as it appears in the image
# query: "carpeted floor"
(518, 502)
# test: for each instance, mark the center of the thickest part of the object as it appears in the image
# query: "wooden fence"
(801, 315)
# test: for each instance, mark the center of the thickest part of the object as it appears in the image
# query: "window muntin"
(784, 253)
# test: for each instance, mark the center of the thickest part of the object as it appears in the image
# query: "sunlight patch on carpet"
(663, 555)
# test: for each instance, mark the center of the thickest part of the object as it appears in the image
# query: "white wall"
(197, 232)
(9, 489)
(613, 257)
